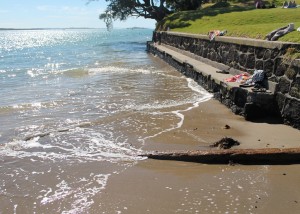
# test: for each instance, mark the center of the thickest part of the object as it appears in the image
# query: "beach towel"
(238, 78)
(275, 34)
(213, 33)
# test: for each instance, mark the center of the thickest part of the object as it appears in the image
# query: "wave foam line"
(116, 69)
(43, 134)
(81, 196)
(195, 87)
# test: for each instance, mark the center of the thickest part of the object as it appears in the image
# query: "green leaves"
(149, 9)
(108, 19)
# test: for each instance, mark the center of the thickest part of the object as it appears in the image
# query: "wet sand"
(205, 125)
(154, 186)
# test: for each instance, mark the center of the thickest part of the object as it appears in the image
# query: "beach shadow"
(275, 120)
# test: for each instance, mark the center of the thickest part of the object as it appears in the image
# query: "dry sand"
(154, 186)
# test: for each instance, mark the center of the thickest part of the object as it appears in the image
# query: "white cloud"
(74, 10)
(69, 9)
(45, 8)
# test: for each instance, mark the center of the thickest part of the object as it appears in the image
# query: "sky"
(60, 14)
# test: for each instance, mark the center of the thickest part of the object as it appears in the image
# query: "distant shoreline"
(70, 28)
(75, 28)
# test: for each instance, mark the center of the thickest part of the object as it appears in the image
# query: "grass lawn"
(238, 20)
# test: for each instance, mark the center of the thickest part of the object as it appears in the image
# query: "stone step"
(242, 101)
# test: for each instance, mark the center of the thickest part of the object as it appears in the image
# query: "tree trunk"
(241, 156)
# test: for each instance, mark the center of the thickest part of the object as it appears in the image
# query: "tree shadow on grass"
(181, 19)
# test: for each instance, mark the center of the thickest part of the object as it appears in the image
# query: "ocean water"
(77, 107)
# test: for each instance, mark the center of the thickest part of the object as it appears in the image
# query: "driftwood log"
(268, 156)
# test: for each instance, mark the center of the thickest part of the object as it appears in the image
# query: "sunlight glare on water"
(76, 108)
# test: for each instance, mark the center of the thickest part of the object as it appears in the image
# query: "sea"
(77, 106)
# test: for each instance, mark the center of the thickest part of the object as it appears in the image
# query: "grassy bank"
(238, 20)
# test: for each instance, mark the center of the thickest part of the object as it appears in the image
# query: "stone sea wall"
(246, 55)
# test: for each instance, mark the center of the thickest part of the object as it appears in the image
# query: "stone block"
(210, 45)
(268, 67)
(242, 59)
(251, 50)
(250, 61)
(235, 65)
(231, 56)
(275, 53)
(218, 58)
(259, 65)
(227, 102)
(267, 54)
(213, 86)
(284, 85)
(217, 45)
(237, 56)
(291, 73)
(205, 52)
(291, 112)
(218, 96)
(205, 44)
(280, 101)
(239, 96)
(243, 49)
(295, 92)
(213, 56)
(224, 57)
(200, 50)
(193, 48)
(295, 88)
(237, 110)
(259, 53)
(280, 67)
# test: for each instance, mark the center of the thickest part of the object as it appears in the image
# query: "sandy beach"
(206, 124)
(132, 104)
(156, 186)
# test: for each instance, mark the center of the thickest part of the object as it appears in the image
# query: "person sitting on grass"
(294, 4)
(291, 4)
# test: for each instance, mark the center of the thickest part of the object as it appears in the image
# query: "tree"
(148, 9)
(180, 5)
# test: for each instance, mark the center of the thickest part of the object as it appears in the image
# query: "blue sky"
(59, 13)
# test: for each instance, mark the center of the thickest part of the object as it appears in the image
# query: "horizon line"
(64, 28)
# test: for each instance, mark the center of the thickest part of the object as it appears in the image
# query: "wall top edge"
(237, 40)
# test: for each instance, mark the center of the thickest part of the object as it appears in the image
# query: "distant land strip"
(70, 28)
